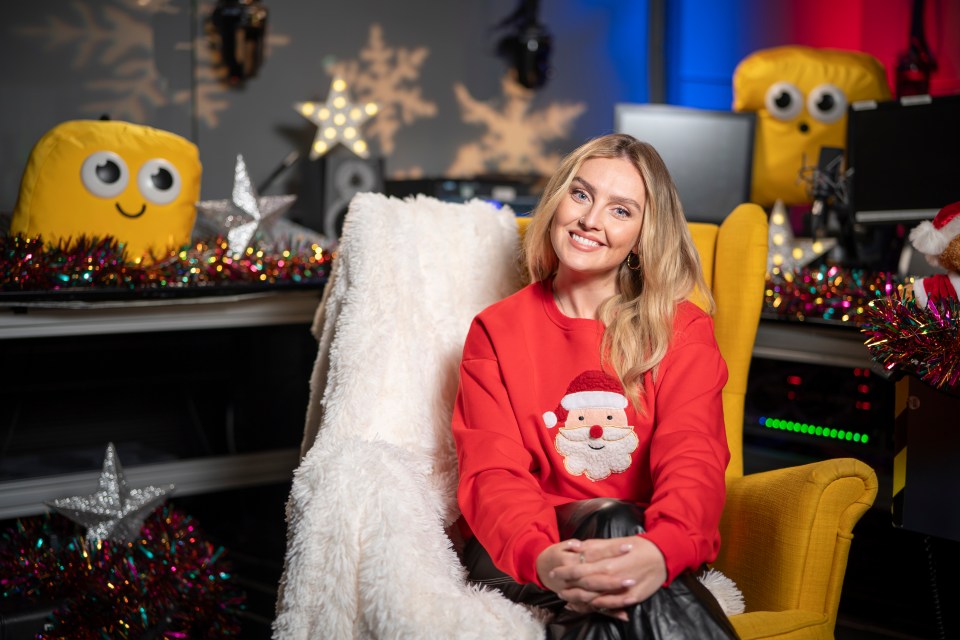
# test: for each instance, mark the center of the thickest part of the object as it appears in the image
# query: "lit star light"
(245, 213)
(337, 120)
(114, 512)
(788, 253)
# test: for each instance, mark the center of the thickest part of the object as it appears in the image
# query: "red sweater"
(521, 399)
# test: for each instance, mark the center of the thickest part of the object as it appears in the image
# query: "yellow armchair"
(785, 533)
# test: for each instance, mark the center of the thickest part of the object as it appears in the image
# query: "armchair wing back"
(734, 260)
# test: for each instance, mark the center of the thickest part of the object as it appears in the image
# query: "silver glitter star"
(245, 213)
(114, 512)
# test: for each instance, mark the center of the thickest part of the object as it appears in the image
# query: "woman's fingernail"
(552, 574)
(625, 547)
(629, 582)
(573, 544)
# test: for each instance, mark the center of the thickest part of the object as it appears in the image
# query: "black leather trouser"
(683, 610)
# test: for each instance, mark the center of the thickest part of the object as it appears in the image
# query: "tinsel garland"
(828, 293)
(171, 583)
(920, 341)
(29, 264)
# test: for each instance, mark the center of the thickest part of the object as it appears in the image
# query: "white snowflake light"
(337, 120)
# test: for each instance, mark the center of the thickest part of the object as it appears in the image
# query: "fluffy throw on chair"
(367, 554)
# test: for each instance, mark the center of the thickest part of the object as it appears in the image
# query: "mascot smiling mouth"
(143, 209)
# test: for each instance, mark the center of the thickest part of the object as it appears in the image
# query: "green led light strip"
(814, 430)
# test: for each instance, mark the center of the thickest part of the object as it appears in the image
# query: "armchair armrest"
(786, 533)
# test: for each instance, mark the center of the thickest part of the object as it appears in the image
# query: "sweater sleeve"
(688, 454)
(499, 497)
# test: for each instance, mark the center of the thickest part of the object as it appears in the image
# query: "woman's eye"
(620, 211)
(579, 195)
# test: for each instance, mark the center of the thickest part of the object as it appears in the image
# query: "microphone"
(826, 186)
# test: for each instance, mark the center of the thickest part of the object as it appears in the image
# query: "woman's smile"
(587, 242)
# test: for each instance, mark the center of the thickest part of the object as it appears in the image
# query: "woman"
(588, 423)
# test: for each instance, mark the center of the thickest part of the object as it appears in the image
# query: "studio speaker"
(327, 185)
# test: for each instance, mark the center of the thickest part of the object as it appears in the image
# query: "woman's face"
(598, 220)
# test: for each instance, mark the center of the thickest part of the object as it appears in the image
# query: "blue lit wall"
(705, 39)
(599, 57)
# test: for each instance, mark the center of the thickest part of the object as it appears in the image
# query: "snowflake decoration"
(516, 135)
(117, 38)
(387, 76)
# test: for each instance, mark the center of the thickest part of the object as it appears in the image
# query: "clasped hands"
(604, 575)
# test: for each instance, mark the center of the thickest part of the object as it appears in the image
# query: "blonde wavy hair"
(638, 319)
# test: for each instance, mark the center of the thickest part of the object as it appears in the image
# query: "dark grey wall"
(69, 59)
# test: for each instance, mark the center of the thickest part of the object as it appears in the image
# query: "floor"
(889, 591)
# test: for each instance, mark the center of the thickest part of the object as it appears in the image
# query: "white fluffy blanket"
(367, 555)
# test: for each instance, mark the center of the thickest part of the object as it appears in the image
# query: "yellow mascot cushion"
(800, 95)
(110, 178)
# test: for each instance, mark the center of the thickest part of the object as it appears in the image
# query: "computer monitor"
(709, 153)
(905, 156)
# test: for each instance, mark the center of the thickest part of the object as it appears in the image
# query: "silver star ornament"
(114, 512)
(246, 213)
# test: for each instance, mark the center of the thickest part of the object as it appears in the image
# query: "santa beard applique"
(597, 451)
(595, 438)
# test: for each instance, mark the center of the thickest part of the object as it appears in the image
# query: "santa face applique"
(595, 438)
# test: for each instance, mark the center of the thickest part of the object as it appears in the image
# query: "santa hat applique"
(589, 390)
(932, 238)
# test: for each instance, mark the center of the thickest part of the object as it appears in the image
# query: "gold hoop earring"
(630, 266)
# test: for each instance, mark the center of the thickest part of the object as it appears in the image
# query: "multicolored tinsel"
(828, 293)
(28, 264)
(169, 584)
(919, 341)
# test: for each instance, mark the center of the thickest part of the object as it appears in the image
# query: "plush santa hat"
(931, 238)
(589, 390)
